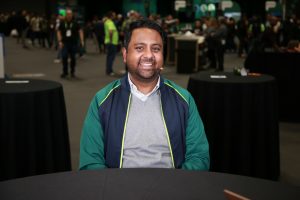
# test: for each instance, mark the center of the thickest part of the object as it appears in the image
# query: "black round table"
(240, 116)
(132, 184)
(33, 128)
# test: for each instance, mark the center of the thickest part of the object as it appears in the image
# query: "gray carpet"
(38, 63)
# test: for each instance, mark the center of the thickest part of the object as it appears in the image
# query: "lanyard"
(70, 27)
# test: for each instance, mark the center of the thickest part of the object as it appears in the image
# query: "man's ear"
(124, 53)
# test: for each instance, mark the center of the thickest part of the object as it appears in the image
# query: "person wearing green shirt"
(111, 41)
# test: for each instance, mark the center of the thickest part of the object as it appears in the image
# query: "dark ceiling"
(164, 7)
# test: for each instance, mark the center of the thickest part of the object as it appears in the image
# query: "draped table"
(240, 116)
(33, 128)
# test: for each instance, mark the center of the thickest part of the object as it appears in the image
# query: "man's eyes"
(138, 48)
(154, 49)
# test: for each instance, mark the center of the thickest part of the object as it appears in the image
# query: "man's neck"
(144, 87)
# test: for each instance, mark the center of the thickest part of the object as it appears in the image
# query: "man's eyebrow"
(139, 43)
(156, 44)
(142, 43)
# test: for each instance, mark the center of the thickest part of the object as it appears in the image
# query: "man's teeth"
(146, 64)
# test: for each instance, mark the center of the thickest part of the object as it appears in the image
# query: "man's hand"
(60, 44)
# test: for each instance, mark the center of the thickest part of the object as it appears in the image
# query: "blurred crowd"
(241, 37)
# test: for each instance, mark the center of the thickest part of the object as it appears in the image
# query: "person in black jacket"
(68, 35)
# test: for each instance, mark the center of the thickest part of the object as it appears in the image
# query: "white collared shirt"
(140, 95)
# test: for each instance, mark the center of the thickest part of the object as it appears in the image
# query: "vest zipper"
(167, 134)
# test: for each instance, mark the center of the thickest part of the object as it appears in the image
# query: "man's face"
(144, 57)
(69, 16)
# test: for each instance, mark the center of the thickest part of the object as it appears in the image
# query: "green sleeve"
(92, 144)
(197, 148)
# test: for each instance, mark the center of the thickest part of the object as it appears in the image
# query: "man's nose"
(148, 53)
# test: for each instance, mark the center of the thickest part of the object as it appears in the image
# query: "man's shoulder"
(110, 24)
(178, 89)
(102, 94)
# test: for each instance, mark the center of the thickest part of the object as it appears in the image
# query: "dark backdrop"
(40, 6)
(101, 7)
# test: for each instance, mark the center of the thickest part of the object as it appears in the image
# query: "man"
(111, 41)
(220, 36)
(68, 35)
(143, 120)
(22, 26)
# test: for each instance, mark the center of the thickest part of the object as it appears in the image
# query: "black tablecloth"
(149, 184)
(186, 55)
(33, 129)
(240, 116)
(285, 68)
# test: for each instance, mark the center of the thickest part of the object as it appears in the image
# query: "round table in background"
(33, 128)
(240, 116)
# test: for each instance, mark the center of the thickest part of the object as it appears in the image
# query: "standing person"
(99, 34)
(22, 26)
(111, 41)
(231, 33)
(68, 34)
(220, 35)
(211, 42)
(143, 120)
(35, 29)
(255, 31)
(242, 33)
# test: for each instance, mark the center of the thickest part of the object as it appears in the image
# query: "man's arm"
(197, 148)
(92, 141)
(81, 36)
(59, 38)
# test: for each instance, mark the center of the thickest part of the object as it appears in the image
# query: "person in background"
(231, 34)
(99, 33)
(220, 36)
(111, 42)
(22, 27)
(198, 28)
(143, 120)
(68, 34)
(242, 34)
(211, 41)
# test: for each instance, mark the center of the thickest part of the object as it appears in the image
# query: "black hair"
(110, 14)
(144, 23)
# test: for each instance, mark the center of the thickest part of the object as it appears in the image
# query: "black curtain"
(165, 7)
(250, 7)
(99, 7)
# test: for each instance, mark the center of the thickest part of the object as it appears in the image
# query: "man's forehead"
(145, 29)
(143, 34)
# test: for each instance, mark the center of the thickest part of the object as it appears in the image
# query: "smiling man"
(143, 120)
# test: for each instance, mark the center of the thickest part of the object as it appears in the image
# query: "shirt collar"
(139, 94)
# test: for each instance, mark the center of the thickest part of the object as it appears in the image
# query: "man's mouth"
(146, 65)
